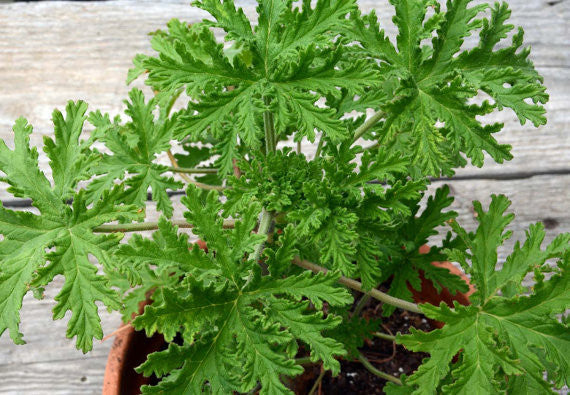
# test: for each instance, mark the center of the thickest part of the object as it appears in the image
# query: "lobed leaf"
(508, 340)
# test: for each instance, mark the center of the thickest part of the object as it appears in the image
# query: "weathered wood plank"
(50, 356)
(77, 377)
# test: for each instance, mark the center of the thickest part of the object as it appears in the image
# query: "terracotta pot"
(130, 347)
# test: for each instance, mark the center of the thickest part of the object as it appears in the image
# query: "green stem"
(191, 170)
(269, 128)
(376, 294)
(175, 167)
(141, 226)
(366, 363)
(317, 382)
(320, 146)
(208, 187)
(366, 126)
(384, 336)
(360, 305)
(264, 227)
(266, 216)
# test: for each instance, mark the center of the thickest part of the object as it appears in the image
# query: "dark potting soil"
(384, 355)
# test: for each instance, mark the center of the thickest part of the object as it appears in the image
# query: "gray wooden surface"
(55, 51)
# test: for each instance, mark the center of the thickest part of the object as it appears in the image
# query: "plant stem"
(140, 226)
(298, 147)
(376, 294)
(208, 187)
(360, 305)
(317, 382)
(320, 146)
(366, 126)
(366, 363)
(175, 167)
(192, 170)
(269, 128)
(266, 216)
(264, 227)
(384, 336)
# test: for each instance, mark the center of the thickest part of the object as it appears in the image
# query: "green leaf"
(506, 341)
(60, 240)
(289, 61)
(134, 148)
(279, 259)
(368, 256)
(308, 328)
(203, 214)
(237, 322)
(69, 161)
(233, 21)
(227, 148)
(432, 87)
(235, 315)
(309, 26)
(382, 166)
(489, 236)
(433, 216)
(155, 264)
(217, 111)
(301, 106)
(22, 170)
(406, 262)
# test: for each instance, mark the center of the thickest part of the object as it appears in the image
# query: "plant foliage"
(429, 99)
(59, 240)
(284, 233)
(510, 335)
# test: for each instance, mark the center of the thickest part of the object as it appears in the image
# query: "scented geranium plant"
(294, 237)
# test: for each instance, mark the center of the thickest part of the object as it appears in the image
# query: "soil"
(385, 355)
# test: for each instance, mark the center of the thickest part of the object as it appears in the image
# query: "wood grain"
(55, 51)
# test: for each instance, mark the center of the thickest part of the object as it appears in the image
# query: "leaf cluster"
(510, 334)
(436, 94)
(344, 221)
(237, 327)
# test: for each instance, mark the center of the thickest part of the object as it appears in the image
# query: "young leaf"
(407, 262)
(69, 160)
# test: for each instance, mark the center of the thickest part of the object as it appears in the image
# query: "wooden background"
(55, 51)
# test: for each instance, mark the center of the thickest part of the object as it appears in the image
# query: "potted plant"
(296, 243)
